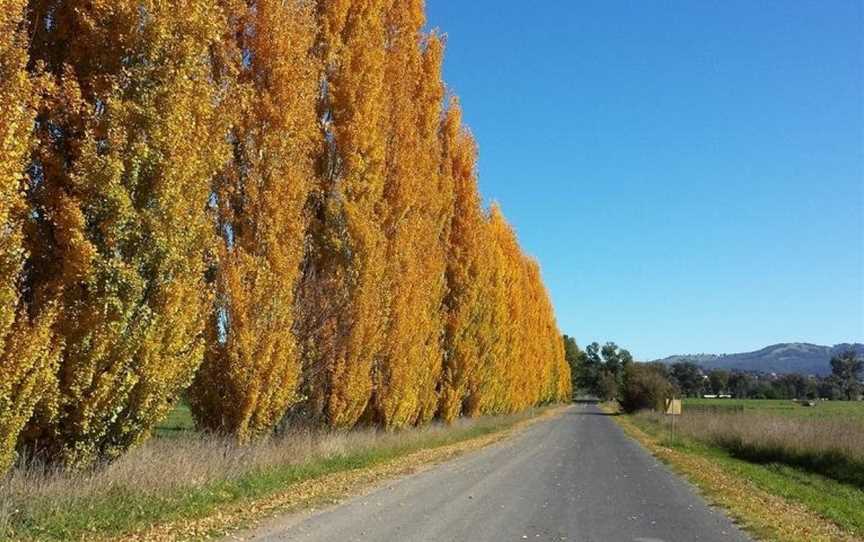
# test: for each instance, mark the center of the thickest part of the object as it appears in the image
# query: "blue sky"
(690, 174)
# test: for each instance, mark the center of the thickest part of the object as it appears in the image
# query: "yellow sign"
(673, 407)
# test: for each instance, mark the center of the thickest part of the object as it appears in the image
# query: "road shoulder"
(764, 515)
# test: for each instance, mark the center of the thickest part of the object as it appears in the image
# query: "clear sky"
(690, 174)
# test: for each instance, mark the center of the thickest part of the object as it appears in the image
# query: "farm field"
(849, 410)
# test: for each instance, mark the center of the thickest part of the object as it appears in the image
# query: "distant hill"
(803, 358)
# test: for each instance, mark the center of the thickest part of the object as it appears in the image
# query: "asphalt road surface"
(575, 477)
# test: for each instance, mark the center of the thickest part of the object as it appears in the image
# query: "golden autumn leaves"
(251, 366)
(266, 200)
(127, 132)
(27, 355)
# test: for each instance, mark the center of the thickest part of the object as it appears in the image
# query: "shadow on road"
(592, 412)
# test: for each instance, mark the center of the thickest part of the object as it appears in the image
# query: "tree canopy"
(269, 207)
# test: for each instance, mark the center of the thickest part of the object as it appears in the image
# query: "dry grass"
(195, 460)
(173, 475)
(827, 446)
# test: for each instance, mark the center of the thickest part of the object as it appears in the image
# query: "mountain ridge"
(781, 358)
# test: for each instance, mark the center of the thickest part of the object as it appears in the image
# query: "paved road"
(576, 477)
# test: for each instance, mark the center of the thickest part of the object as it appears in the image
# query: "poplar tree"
(467, 314)
(27, 349)
(486, 392)
(418, 202)
(526, 359)
(342, 306)
(252, 363)
(514, 357)
(540, 361)
(130, 134)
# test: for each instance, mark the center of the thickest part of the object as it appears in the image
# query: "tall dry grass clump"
(831, 447)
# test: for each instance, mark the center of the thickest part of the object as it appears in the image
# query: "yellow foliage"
(27, 352)
(503, 349)
(526, 360)
(342, 305)
(270, 186)
(418, 205)
(467, 318)
(252, 364)
(130, 134)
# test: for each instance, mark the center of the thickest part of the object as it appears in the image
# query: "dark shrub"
(644, 387)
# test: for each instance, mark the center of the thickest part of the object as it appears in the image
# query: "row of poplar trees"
(268, 205)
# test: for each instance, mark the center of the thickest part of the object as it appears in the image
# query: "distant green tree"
(830, 388)
(576, 359)
(615, 361)
(608, 387)
(615, 358)
(661, 368)
(571, 350)
(688, 376)
(600, 369)
(811, 388)
(592, 354)
(589, 375)
(625, 357)
(791, 386)
(765, 390)
(847, 368)
(741, 384)
(719, 381)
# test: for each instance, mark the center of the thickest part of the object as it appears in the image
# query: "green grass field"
(177, 423)
(847, 410)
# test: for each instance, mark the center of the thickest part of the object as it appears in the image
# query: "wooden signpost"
(673, 408)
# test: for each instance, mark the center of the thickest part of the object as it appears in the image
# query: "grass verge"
(830, 447)
(194, 487)
(772, 501)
